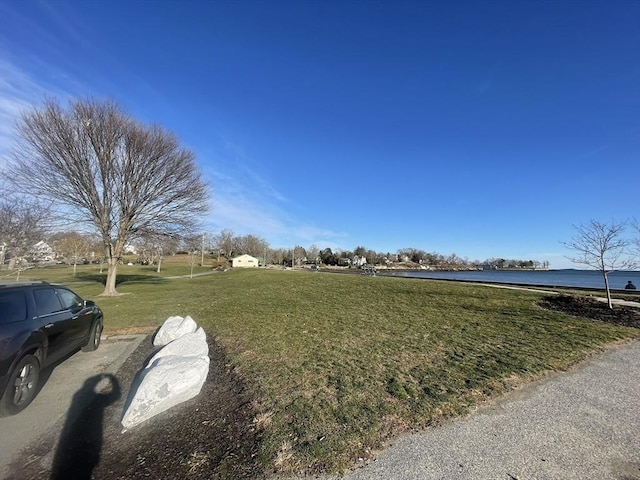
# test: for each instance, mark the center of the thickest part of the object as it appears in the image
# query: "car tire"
(22, 386)
(94, 336)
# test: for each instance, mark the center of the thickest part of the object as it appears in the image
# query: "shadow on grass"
(120, 279)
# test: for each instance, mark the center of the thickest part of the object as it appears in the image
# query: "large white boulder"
(188, 345)
(173, 328)
(169, 381)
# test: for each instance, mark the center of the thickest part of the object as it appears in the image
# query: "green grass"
(92, 274)
(340, 362)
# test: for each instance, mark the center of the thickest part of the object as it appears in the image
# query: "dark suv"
(40, 324)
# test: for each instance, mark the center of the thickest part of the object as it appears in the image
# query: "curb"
(134, 343)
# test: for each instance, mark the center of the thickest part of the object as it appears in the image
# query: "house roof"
(245, 255)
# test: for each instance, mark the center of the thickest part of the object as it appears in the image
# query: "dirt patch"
(211, 436)
(594, 309)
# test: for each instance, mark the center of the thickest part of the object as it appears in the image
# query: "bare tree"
(313, 252)
(153, 248)
(97, 246)
(73, 245)
(192, 244)
(254, 245)
(635, 240)
(601, 246)
(297, 254)
(278, 256)
(224, 242)
(23, 222)
(124, 178)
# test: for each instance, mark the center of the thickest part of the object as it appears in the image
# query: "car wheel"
(21, 388)
(94, 337)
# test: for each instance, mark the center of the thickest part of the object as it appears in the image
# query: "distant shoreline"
(557, 279)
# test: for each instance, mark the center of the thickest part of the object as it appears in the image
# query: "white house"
(41, 252)
(244, 261)
(359, 261)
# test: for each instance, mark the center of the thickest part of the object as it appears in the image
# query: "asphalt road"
(580, 424)
(55, 398)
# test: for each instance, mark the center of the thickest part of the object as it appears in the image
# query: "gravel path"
(581, 424)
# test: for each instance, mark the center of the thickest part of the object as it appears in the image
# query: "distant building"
(244, 261)
(359, 261)
(41, 252)
(130, 250)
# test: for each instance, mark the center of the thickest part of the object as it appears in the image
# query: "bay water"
(557, 278)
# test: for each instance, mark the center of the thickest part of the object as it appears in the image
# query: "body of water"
(557, 278)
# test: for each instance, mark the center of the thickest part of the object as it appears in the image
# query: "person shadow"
(80, 444)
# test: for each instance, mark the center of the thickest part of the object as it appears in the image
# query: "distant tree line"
(74, 247)
(23, 229)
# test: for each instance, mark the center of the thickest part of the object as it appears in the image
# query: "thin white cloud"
(66, 21)
(488, 81)
(321, 237)
(240, 160)
(595, 152)
(246, 203)
(19, 91)
(277, 231)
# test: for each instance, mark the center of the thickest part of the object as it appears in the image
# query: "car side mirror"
(89, 303)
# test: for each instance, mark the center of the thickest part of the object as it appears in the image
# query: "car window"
(68, 299)
(13, 307)
(47, 301)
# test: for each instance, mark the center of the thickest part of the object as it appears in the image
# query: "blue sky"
(481, 128)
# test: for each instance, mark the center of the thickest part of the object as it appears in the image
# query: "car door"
(55, 322)
(81, 317)
(15, 328)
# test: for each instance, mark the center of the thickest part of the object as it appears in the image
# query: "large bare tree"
(124, 178)
(602, 246)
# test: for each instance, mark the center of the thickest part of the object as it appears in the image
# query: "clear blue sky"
(481, 128)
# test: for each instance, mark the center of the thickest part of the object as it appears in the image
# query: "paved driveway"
(57, 394)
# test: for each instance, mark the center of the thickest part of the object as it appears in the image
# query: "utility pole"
(202, 251)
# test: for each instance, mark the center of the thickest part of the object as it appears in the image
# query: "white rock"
(172, 380)
(173, 328)
(188, 345)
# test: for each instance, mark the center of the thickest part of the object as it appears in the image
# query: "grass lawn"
(337, 363)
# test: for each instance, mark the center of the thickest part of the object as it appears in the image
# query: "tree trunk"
(159, 263)
(606, 286)
(74, 268)
(110, 284)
